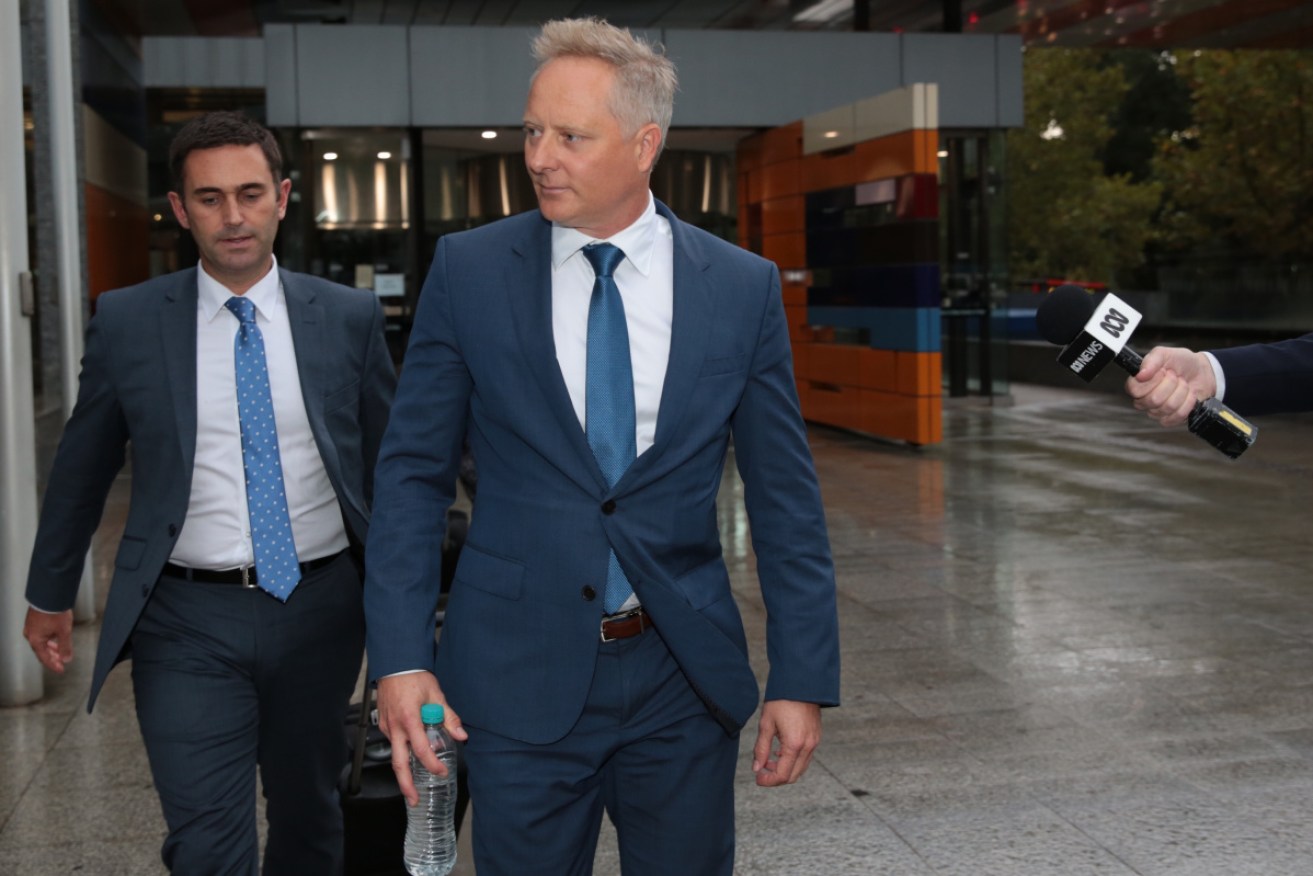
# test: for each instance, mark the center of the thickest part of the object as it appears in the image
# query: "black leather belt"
(243, 577)
(625, 624)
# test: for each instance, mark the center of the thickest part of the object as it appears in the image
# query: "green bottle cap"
(431, 713)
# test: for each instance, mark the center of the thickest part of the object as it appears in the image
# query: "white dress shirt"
(216, 534)
(646, 282)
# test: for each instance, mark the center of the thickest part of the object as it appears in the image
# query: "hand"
(1170, 383)
(399, 701)
(797, 726)
(51, 637)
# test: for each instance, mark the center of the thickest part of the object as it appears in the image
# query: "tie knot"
(242, 308)
(604, 257)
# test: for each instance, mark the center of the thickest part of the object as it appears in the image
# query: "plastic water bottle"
(430, 830)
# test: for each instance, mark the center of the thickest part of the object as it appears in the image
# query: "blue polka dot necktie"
(609, 393)
(276, 567)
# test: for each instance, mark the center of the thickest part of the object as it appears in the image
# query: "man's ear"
(179, 210)
(284, 190)
(649, 146)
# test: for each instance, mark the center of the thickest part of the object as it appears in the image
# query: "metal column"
(20, 673)
(64, 174)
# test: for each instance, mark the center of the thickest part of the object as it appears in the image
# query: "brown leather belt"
(625, 624)
(243, 577)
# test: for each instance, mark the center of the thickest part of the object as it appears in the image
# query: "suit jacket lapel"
(306, 320)
(178, 341)
(529, 281)
(692, 314)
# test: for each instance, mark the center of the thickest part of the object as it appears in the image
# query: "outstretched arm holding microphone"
(1254, 379)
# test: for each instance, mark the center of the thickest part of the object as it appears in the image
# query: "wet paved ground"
(1074, 643)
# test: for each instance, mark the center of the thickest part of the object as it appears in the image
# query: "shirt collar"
(637, 241)
(213, 295)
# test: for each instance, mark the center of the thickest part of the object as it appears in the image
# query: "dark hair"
(222, 128)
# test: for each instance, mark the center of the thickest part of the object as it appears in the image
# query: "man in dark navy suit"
(253, 400)
(600, 354)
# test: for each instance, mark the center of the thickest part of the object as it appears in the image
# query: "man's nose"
(538, 155)
(232, 214)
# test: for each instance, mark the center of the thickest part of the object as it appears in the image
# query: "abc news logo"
(1102, 338)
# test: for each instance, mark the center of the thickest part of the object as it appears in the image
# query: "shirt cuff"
(1218, 377)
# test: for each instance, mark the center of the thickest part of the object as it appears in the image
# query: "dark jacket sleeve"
(1269, 378)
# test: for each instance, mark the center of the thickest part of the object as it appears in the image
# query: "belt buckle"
(247, 583)
(624, 615)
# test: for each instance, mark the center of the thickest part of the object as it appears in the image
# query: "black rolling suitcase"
(374, 812)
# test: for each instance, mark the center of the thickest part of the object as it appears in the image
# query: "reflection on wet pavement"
(1073, 642)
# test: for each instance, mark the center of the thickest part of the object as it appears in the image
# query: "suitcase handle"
(362, 733)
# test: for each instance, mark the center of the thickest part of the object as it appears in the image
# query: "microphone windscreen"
(1063, 313)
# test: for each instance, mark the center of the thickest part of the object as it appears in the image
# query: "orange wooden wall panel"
(877, 369)
(795, 294)
(920, 373)
(779, 180)
(834, 363)
(118, 244)
(796, 317)
(780, 215)
(896, 155)
(927, 150)
(785, 250)
(782, 143)
(827, 170)
(749, 151)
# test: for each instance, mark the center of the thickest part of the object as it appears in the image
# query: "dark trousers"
(645, 751)
(228, 680)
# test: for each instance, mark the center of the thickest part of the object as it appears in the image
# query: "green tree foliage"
(1066, 217)
(1242, 173)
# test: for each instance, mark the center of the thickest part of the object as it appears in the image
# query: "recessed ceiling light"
(330, 156)
(385, 155)
(489, 135)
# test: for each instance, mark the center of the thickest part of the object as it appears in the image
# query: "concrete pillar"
(20, 673)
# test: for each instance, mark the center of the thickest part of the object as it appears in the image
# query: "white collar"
(213, 295)
(637, 241)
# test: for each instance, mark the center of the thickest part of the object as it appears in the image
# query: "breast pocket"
(716, 366)
(341, 398)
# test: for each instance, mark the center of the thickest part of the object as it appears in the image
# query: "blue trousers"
(645, 751)
(228, 681)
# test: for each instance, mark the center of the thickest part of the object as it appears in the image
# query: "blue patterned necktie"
(276, 566)
(609, 393)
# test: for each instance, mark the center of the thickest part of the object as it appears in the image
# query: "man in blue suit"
(601, 355)
(253, 400)
(1254, 379)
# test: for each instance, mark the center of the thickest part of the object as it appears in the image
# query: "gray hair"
(644, 92)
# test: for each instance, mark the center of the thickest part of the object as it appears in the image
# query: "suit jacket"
(520, 635)
(138, 390)
(1272, 378)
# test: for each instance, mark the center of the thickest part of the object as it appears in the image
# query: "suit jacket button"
(588, 593)
(173, 530)
(608, 507)
(145, 590)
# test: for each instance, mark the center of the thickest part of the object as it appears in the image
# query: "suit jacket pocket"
(340, 398)
(704, 584)
(129, 553)
(489, 573)
(717, 365)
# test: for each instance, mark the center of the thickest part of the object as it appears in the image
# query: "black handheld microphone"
(1093, 334)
